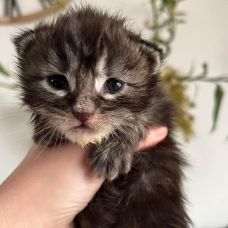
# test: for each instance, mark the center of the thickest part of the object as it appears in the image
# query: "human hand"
(51, 186)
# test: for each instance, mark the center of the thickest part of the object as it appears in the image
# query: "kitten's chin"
(84, 135)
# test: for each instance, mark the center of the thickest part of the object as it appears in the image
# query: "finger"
(155, 135)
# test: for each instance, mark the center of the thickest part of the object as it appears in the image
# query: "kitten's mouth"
(88, 132)
(83, 128)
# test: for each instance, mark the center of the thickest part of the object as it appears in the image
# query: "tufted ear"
(157, 54)
(154, 48)
(21, 41)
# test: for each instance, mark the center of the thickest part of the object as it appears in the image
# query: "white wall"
(203, 38)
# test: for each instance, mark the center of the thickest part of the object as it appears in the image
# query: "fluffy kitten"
(87, 78)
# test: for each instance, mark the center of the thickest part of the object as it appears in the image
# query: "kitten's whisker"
(27, 137)
(13, 117)
(16, 140)
(9, 103)
(140, 156)
(54, 146)
(40, 141)
(10, 113)
(29, 129)
(115, 206)
(40, 122)
(36, 125)
(118, 137)
(42, 129)
(45, 145)
(61, 137)
(115, 133)
(38, 132)
(39, 144)
(20, 144)
(9, 133)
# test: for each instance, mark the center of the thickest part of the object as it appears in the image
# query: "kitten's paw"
(110, 165)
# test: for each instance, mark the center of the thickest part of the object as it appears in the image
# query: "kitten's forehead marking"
(99, 83)
(101, 78)
(70, 56)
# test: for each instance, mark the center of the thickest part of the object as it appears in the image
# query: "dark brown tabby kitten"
(87, 78)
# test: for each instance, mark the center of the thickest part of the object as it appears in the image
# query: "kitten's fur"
(88, 46)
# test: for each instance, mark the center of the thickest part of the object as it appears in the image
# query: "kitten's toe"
(108, 166)
(126, 162)
(104, 168)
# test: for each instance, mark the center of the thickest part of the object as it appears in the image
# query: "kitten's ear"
(157, 54)
(153, 47)
(20, 41)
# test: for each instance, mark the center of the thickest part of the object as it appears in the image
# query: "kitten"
(88, 78)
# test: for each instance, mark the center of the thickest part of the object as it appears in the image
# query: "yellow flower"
(177, 92)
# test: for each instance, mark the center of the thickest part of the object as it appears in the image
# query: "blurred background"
(194, 35)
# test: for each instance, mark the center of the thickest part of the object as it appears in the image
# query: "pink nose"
(83, 116)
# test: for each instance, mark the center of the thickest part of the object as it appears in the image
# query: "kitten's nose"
(83, 116)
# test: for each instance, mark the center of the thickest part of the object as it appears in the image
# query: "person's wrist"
(16, 209)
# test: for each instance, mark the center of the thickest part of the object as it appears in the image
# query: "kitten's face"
(86, 74)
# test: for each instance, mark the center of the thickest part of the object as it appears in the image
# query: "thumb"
(154, 136)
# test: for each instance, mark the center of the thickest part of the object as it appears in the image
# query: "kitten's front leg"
(112, 156)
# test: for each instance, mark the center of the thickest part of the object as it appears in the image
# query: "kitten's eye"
(58, 82)
(112, 85)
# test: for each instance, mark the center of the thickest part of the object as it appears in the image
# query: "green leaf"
(8, 86)
(180, 21)
(218, 95)
(181, 13)
(4, 71)
(192, 69)
(205, 69)
(169, 3)
(61, 4)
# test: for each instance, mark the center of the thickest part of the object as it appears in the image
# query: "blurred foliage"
(218, 99)
(59, 2)
(6, 74)
(165, 19)
(177, 91)
(4, 71)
